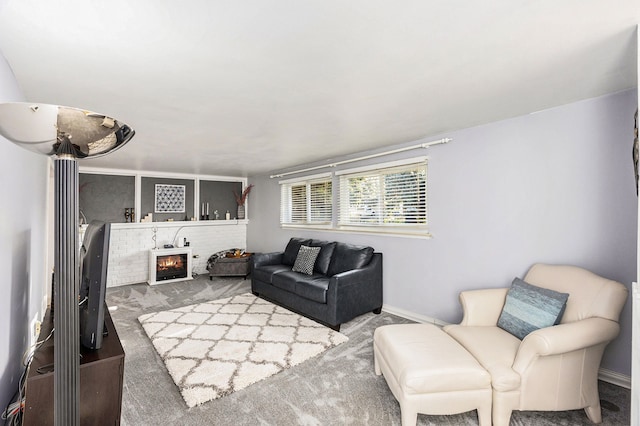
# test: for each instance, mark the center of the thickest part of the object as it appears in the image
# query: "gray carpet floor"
(338, 387)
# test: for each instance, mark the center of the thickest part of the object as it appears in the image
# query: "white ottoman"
(429, 372)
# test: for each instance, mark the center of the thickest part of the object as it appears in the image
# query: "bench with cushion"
(429, 372)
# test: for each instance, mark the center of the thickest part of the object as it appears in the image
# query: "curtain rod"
(366, 157)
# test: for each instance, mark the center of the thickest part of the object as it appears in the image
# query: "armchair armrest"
(259, 259)
(564, 338)
(482, 307)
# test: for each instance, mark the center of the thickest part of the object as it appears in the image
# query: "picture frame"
(169, 198)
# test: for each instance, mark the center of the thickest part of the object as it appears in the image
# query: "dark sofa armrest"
(356, 291)
(370, 272)
(259, 259)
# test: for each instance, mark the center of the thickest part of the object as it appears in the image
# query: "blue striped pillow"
(529, 308)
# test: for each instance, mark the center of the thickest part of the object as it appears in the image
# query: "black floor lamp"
(67, 134)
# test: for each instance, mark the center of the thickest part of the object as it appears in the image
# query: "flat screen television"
(94, 258)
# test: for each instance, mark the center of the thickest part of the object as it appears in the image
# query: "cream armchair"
(551, 369)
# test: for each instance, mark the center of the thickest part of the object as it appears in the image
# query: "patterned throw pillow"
(529, 308)
(306, 259)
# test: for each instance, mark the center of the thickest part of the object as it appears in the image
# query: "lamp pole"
(66, 381)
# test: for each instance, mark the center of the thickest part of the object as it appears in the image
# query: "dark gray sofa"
(346, 281)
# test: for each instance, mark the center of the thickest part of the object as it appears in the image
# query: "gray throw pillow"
(529, 308)
(347, 257)
(306, 259)
(324, 258)
(291, 251)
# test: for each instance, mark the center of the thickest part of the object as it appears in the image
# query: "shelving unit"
(110, 191)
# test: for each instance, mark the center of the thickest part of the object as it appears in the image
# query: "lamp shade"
(40, 128)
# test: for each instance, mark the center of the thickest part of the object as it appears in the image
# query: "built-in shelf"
(106, 193)
(178, 223)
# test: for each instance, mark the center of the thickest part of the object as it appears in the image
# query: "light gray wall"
(220, 197)
(104, 197)
(556, 186)
(23, 279)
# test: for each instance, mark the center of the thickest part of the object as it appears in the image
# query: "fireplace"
(169, 265)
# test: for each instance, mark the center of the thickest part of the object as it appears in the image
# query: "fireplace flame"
(166, 263)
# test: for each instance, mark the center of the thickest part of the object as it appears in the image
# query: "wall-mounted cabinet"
(112, 195)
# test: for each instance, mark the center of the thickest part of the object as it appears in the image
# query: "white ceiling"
(244, 87)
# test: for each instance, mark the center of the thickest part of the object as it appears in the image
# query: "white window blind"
(386, 197)
(306, 202)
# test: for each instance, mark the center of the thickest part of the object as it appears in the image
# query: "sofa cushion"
(324, 258)
(265, 273)
(286, 280)
(347, 257)
(528, 308)
(306, 259)
(291, 252)
(313, 288)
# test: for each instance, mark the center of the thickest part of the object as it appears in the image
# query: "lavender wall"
(23, 249)
(556, 186)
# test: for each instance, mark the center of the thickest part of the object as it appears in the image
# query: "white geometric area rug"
(215, 348)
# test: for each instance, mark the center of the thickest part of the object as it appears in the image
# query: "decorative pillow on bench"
(529, 308)
(306, 259)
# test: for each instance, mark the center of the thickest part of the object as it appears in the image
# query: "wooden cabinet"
(101, 378)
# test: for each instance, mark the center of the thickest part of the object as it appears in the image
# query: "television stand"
(101, 379)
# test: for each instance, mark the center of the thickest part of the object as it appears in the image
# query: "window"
(388, 198)
(306, 202)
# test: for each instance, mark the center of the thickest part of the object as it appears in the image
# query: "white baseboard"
(614, 378)
(605, 375)
(412, 315)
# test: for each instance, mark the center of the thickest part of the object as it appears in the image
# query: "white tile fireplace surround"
(131, 242)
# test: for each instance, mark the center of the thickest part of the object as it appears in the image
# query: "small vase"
(240, 212)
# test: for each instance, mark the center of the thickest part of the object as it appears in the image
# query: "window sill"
(383, 233)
